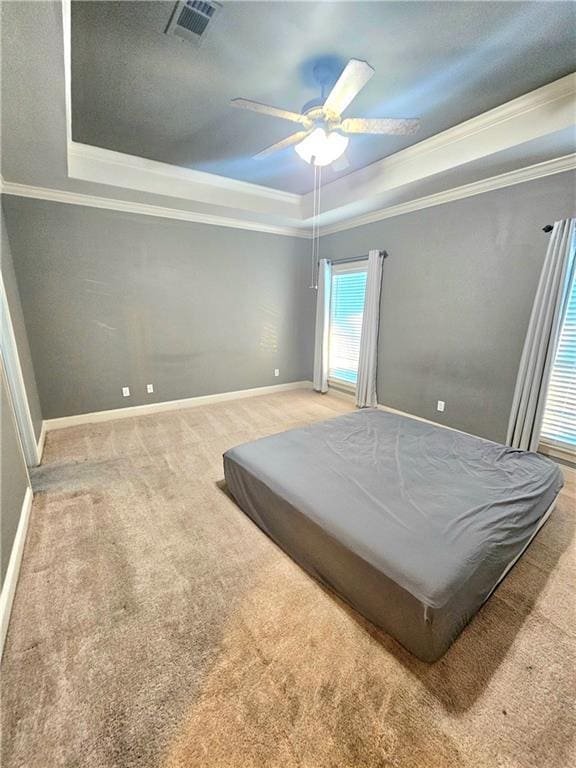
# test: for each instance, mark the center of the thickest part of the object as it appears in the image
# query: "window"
(559, 424)
(347, 294)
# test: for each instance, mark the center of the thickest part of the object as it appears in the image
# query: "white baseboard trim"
(550, 453)
(13, 570)
(568, 471)
(350, 398)
(169, 405)
(41, 441)
(421, 418)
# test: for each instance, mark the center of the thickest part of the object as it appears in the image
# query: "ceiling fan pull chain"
(314, 280)
(313, 273)
(316, 182)
(317, 260)
(315, 225)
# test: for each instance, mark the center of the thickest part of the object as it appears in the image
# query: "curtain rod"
(355, 258)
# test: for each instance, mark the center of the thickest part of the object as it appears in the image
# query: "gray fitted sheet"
(410, 523)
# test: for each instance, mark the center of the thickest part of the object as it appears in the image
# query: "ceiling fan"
(323, 137)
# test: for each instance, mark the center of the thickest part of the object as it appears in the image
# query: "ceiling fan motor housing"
(320, 117)
(312, 104)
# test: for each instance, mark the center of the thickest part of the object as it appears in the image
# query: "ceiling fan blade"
(341, 164)
(265, 109)
(388, 125)
(355, 76)
(289, 141)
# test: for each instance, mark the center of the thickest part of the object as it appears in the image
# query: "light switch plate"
(149, 388)
(125, 391)
(441, 406)
(276, 371)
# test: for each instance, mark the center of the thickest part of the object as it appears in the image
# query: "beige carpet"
(156, 626)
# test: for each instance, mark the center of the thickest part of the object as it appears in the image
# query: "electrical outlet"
(149, 388)
(125, 391)
(276, 371)
(441, 406)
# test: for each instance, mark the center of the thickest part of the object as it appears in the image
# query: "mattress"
(411, 523)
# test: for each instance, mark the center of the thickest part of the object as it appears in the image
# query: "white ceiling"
(137, 91)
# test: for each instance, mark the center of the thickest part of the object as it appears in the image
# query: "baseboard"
(554, 455)
(569, 471)
(13, 570)
(41, 441)
(388, 409)
(350, 397)
(169, 405)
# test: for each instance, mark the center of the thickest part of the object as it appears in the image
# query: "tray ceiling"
(140, 92)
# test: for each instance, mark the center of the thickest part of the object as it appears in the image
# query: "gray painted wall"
(13, 477)
(114, 300)
(17, 316)
(457, 292)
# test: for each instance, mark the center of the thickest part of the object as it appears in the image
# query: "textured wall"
(13, 477)
(114, 300)
(458, 288)
(19, 327)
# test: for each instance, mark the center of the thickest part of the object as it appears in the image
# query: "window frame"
(548, 445)
(557, 450)
(339, 268)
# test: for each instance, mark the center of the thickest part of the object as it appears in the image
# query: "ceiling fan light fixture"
(321, 148)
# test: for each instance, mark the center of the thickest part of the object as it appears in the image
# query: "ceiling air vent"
(191, 18)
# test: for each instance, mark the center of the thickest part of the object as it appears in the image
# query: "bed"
(412, 524)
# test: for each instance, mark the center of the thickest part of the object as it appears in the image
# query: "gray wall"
(114, 300)
(19, 326)
(457, 292)
(13, 477)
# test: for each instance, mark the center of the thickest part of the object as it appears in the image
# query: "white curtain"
(542, 338)
(366, 385)
(322, 326)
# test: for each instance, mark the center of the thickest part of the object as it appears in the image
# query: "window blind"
(347, 295)
(559, 424)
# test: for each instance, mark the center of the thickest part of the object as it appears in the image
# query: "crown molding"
(124, 206)
(541, 112)
(519, 176)
(546, 110)
(105, 166)
(122, 160)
